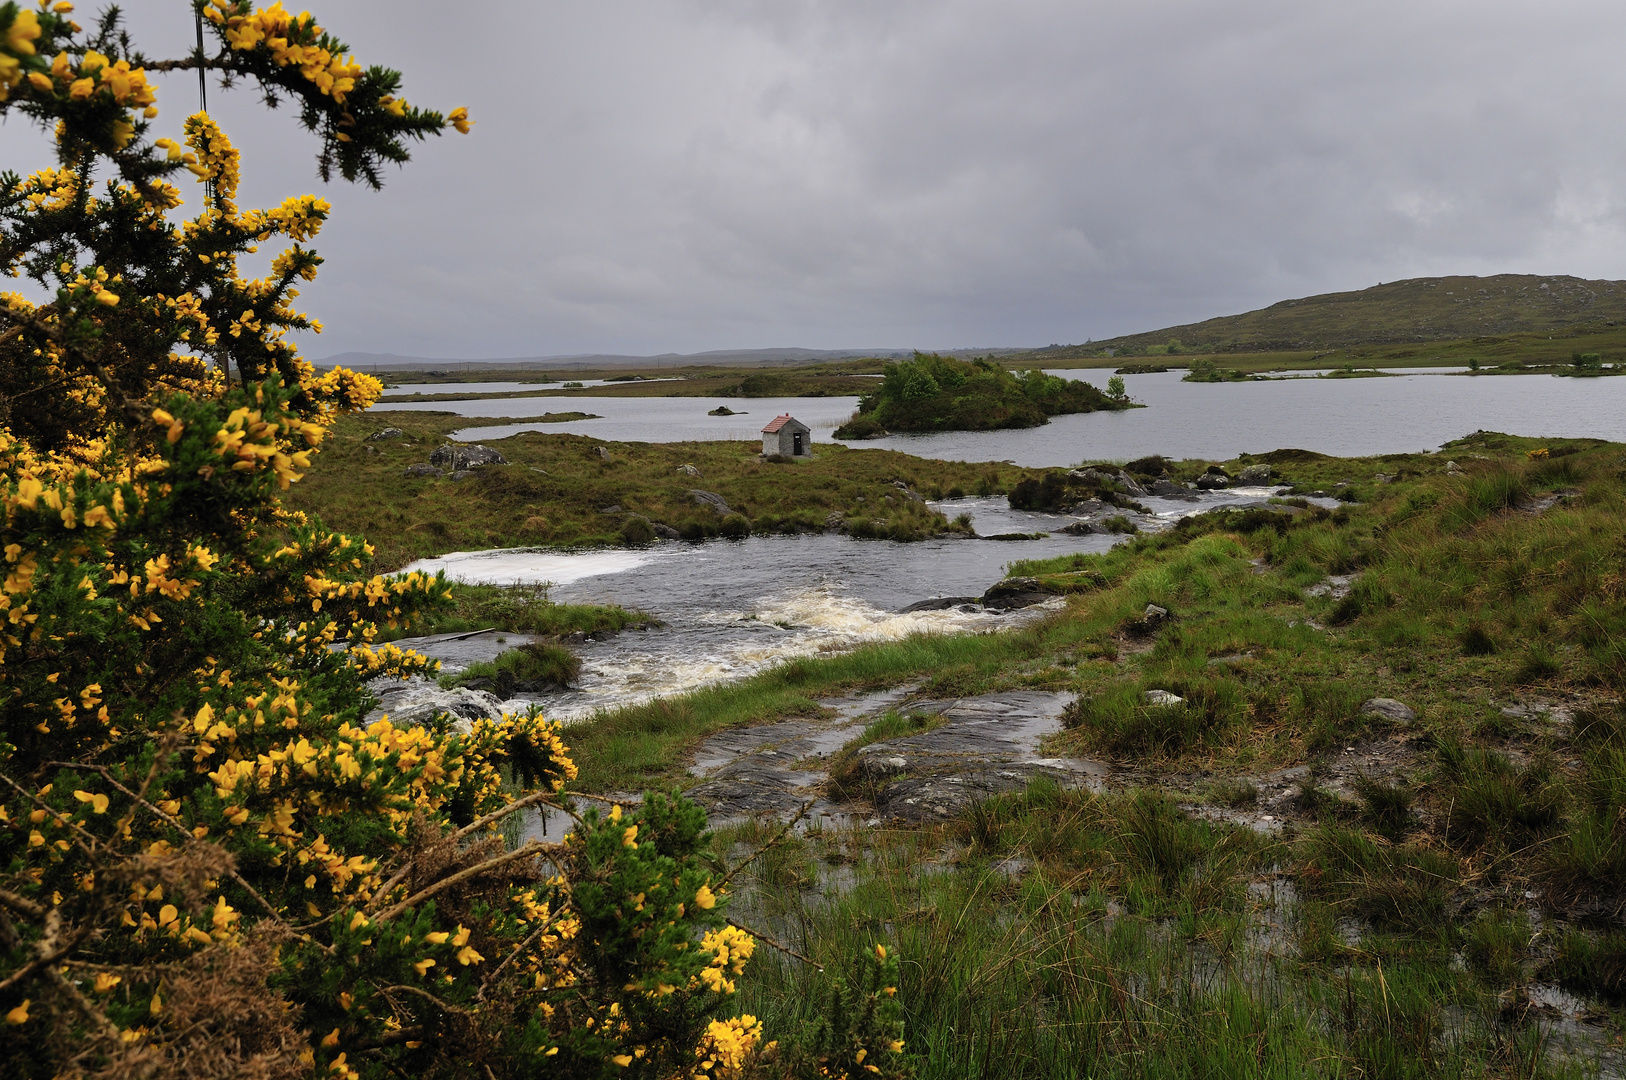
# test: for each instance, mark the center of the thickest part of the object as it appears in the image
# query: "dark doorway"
(796, 443)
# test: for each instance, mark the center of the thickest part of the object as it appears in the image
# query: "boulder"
(386, 433)
(1153, 619)
(1129, 485)
(1213, 481)
(464, 474)
(602, 452)
(711, 499)
(938, 603)
(463, 458)
(1254, 476)
(688, 470)
(835, 521)
(1389, 709)
(1168, 489)
(665, 532)
(1015, 592)
(1079, 528)
(1163, 698)
(613, 508)
(420, 469)
(882, 765)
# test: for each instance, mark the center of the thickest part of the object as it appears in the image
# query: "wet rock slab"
(985, 745)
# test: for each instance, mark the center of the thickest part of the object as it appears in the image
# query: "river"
(1402, 413)
(733, 607)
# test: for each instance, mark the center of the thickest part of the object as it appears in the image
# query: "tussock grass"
(1496, 803)
(1121, 949)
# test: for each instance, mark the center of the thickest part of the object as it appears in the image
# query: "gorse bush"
(210, 864)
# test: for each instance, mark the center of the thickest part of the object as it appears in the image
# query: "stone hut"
(789, 436)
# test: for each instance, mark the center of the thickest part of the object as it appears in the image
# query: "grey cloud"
(648, 176)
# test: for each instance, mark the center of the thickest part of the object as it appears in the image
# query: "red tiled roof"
(776, 423)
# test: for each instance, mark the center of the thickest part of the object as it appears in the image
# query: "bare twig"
(98, 1019)
(759, 852)
(509, 959)
(523, 852)
(21, 905)
(89, 840)
(385, 889)
(771, 943)
(427, 996)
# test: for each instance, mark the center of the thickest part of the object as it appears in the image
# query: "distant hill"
(1397, 312)
(594, 361)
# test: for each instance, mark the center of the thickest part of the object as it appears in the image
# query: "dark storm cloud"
(682, 176)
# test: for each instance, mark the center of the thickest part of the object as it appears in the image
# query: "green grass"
(647, 744)
(1053, 932)
(524, 609)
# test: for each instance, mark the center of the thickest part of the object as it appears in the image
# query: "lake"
(1215, 421)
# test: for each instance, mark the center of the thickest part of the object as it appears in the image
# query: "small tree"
(211, 861)
(1115, 388)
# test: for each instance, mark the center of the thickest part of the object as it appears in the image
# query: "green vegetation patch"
(568, 491)
(521, 609)
(940, 393)
(532, 668)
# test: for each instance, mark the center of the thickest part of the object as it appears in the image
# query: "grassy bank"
(1404, 908)
(573, 491)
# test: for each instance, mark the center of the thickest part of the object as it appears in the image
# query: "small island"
(939, 393)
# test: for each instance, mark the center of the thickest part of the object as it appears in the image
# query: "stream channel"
(731, 608)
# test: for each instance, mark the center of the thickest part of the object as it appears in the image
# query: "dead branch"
(525, 851)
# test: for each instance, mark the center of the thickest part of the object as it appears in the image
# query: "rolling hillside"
(1397, 312)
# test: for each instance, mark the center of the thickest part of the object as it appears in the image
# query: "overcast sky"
(648, 177)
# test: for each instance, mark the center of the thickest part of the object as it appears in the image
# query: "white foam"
(812, 622)
(511, 566)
